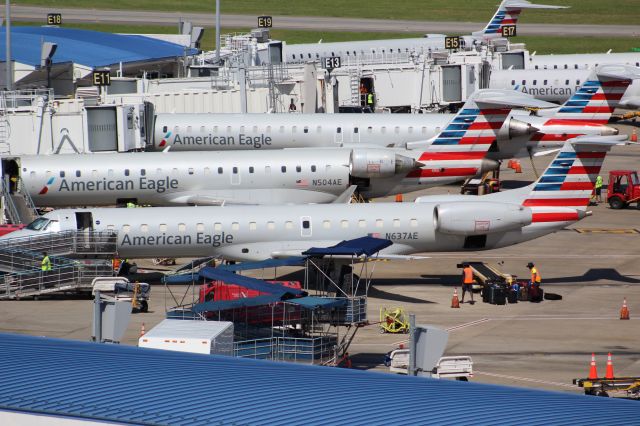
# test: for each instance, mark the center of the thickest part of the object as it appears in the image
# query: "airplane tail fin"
(470, 135)
(597, 97)
(506, 17)
(569, 180)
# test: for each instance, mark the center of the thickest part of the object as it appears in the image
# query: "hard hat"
(530, 265)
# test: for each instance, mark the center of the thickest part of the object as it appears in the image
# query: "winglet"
(345, 197)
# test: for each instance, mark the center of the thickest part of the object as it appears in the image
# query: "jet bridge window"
(78, 174)
(61, 173)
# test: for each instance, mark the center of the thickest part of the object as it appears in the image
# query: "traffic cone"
(609, 373)
(624, 311)
(142, 330)
(455, 302)
(398, 198)
(634, 136)
(511, 164)
(593, 372)
(517, 167)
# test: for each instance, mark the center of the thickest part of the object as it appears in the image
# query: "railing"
(27, 198)
(9, 205)
(67, 242)
(293, 349)
(25, 98)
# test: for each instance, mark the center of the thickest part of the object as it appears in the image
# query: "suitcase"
(512, 297)
(523, 296)
(486, 294)
(536, 294)
(496, 295)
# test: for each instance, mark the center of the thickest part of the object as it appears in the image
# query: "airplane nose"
(520, 128)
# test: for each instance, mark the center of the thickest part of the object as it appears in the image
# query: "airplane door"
(451, 83)
(84, 221)
(235, 176)
(305, 226)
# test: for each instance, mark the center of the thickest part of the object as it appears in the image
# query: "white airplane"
(295, 175)
(586, 112)
(441, 223)
(557, 85)
(503, 23)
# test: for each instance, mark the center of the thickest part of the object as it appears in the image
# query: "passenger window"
(163, 227)
(535, 82)
(143, 172)
(383, 130)
(298, 169)
(396, 223)
(524, 82)
(362, 223)
(410, 129)
(219, 170)
(200, 227)
(190, 170)
(288, 225)
(144, 228)
(397, 130)
(566, 83)
(252, 226)
(182, 227)
(313, 169)
(344, 224)
(577, 82)
(251, 169)
(306, 224)
(126, 172)
(271, 225)
(78, 173)
(306, 129)
(94, 174)
(109, 173)
(126, 228)
(413, 223)
(326, 224)
(207, 171)
(555, 67)
(513, 82)
(544, 82)
(379, 223)
(355, 130)
(235, 170)
(339, 130)
(267, 169)
(369, 129)
(235, 226)
(217, 226)
(294, 129)
(62, 173)
(566, 66)
(283, 169)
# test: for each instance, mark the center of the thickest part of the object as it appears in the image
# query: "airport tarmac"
(594, 266)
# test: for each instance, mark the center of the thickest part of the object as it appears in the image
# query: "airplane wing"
(345, 197)
(203, 200)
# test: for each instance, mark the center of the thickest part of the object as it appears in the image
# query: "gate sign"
(54, 19)
(101, 78)
(331, 62)
(508, 31)
(265, 21)
(452, 42)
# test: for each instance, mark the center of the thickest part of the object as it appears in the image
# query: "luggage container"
(195, 336)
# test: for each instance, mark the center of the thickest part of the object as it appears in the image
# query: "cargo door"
(516, 60)
(451, 84)
(103, 129)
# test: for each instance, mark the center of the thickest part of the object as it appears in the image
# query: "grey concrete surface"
(34, 13)
(533, 345)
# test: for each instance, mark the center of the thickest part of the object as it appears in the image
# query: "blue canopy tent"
(357, 247)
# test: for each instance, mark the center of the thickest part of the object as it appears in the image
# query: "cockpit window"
(39, 224)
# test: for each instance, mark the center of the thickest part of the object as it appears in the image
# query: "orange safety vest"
(468, 275)
(535, 276)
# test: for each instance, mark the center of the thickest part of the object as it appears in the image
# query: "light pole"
(217, 31)
(8, 45)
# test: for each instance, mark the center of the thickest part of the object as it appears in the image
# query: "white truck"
(120, 288)
(195, 336)
(450, 367)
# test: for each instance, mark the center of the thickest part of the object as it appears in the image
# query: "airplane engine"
(514, 128)
(379, 163)
(479, 218)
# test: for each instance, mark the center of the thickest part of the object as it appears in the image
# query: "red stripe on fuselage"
(555, 202)
(554, 217)
(447, 172)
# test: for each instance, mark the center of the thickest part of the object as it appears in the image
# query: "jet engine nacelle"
(479, 218)
(379, 163)
(513, 128)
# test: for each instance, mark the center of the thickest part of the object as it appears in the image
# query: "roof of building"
(134, 385)
(85, 47)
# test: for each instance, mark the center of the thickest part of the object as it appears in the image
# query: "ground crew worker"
(363, 95)
(536, 279)
(131, 204)
(467, 281)
(46, 262)
(370, 100)
(599, 189)
(292, 106)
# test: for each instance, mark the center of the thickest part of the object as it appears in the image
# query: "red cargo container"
(6, 229)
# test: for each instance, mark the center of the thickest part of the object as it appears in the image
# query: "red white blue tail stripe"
(566, 186)
(594, 101)
(461, 146)
(504, 16)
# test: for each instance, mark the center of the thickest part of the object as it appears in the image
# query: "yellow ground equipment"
(393, 320)
(602, 386)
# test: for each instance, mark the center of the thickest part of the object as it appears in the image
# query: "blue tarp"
(269, 263)
(248, 282)
(181, 278)
(238, 303)
(85, 47)
(356, 247)
(312, 302)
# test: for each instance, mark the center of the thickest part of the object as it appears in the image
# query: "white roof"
(188, 329)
